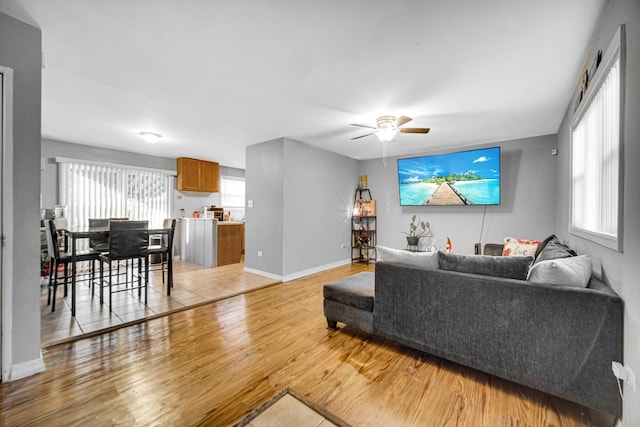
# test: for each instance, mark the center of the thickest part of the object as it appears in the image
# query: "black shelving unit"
(363, 227)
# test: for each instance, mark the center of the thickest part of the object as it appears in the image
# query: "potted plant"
(417, 229)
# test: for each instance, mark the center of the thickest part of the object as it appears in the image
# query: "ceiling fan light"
(386, 135)
(151, 137)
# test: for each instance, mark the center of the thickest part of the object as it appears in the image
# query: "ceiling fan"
(388, 126)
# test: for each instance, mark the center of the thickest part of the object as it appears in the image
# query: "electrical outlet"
(619, 371)
(624, 373)
(259, 253)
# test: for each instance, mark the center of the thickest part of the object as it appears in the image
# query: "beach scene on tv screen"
(461, 178)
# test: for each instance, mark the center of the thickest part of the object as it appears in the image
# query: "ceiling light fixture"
(151, 137)
(386, 128)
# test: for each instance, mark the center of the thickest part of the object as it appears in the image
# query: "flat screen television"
(461, 178)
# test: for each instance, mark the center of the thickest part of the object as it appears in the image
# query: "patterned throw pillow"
(519, 247)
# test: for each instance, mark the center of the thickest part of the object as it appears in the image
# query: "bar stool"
(128, 241)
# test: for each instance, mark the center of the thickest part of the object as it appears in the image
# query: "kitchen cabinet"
(197, 175)
(230, 242)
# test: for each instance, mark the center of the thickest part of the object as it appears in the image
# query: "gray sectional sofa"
(554, 338)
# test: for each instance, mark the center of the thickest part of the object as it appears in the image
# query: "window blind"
(596, 160)
(92, 190)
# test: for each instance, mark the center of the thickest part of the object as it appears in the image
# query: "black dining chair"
(59, 258)
(128, 241)
(165, 248)
(99, 243)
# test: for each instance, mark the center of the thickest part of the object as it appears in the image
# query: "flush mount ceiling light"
(386, 128)
(151, 137)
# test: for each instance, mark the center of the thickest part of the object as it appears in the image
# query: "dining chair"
(59, 258)
(128, 241)
(99, 243)
(165, 248)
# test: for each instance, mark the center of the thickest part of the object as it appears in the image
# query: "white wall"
(620, 270)
(527, 209)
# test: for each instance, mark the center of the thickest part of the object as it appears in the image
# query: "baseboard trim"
(263, 273)
(26, 369)
(298, 274)
(313, 270)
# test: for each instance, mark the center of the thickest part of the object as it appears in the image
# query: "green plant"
(417, 229)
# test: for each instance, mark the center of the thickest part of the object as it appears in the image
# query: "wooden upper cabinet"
(197, 175)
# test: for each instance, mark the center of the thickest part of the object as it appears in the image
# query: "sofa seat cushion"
(356, 290)
(516, 267)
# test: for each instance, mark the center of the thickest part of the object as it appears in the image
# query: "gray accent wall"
(264, 220)
(620, 269)
(301, 199)
(20, 50)
(527, 209)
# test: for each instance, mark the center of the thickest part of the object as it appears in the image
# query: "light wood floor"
(213, 364)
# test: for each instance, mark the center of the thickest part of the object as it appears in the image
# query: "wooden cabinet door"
(209, 177)
(189, 171)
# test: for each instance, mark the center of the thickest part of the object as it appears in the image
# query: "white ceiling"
(215, 76)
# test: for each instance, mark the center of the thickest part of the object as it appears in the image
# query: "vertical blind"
(105, 191)
(595, 160)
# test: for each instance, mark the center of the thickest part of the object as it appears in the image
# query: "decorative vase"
(412, 240)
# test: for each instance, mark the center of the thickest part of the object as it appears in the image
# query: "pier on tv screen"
(461, 178)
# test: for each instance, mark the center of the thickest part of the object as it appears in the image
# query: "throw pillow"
(416, 259)
(552, 248)
(573, 271)
(519, 247)
(487, 265)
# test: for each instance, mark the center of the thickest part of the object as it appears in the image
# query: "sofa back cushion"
(553, 248)
(515, 267)
(571, 271)
(415, 259)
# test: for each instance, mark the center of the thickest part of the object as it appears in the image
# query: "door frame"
(6, 223)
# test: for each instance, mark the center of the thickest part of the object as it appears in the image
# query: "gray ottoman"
(350, 301)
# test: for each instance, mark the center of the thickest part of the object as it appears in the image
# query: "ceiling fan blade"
(414, 130)
(402, 120)
(363, 126)
(361, 136)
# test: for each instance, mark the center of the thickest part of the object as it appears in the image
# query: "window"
(232, 192)
(596, 143)
(93, 190)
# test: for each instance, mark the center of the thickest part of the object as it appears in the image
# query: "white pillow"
(417, 259)
(572, 271)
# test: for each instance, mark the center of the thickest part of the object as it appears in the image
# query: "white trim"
(28, 368)
(298, 274)
(115, 165)
(263, 273)
(7, 222)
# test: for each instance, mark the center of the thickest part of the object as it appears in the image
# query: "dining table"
(73, 234)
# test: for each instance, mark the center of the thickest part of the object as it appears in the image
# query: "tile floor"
(289, 411)
(193, 285)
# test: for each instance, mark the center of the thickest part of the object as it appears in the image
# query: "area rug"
(289, 408)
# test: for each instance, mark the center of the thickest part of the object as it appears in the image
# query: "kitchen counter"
(211, 243)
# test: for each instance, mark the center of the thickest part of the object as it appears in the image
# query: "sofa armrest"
(557, 339)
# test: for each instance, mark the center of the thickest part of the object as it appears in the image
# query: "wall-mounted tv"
(461, 178)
